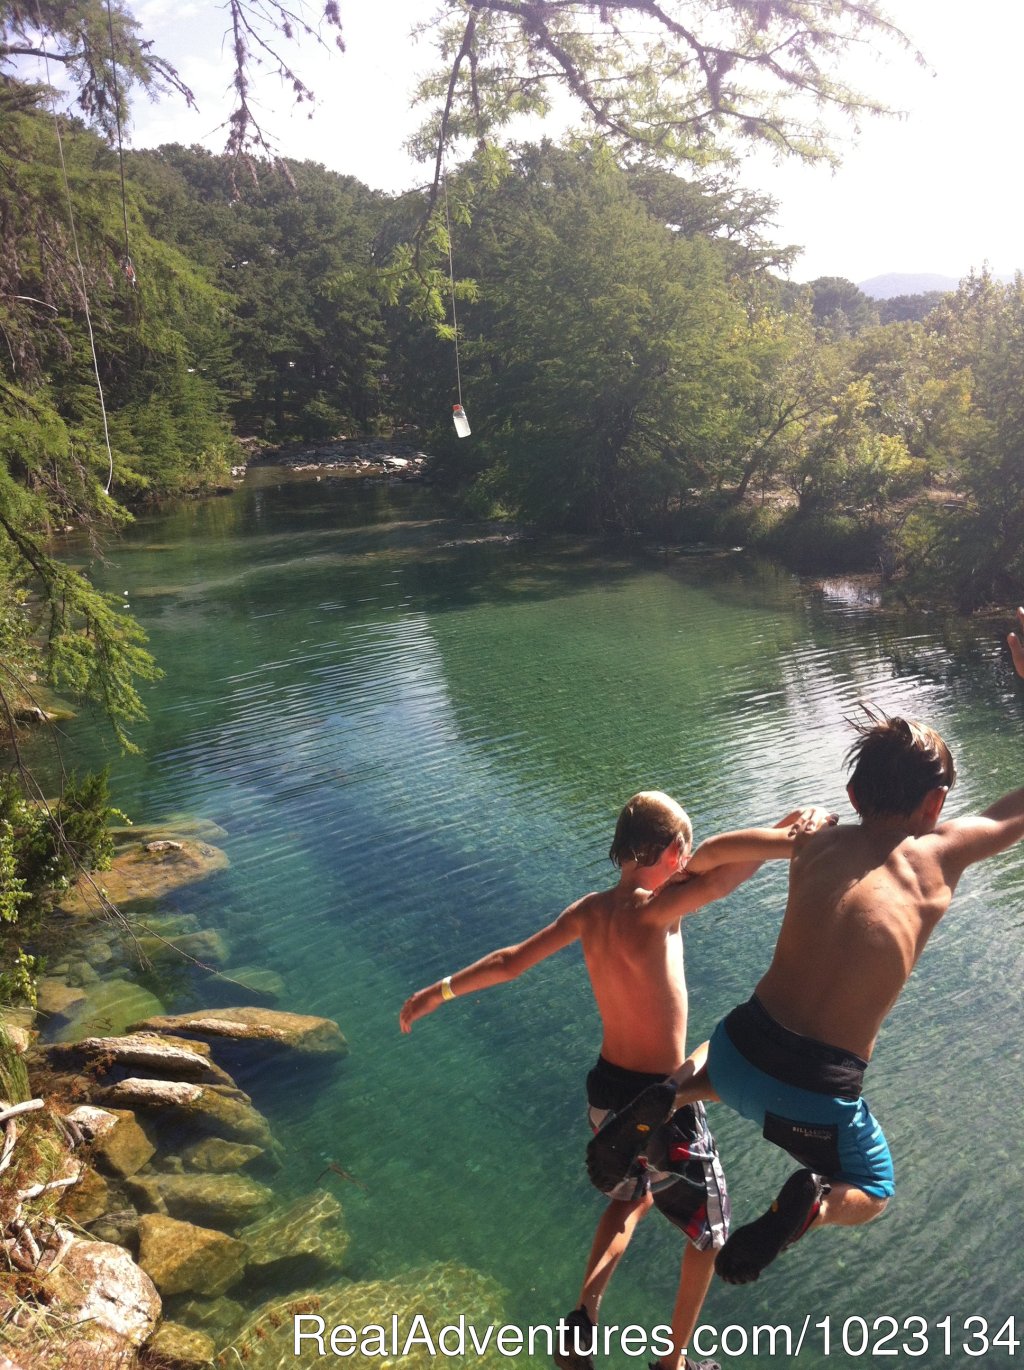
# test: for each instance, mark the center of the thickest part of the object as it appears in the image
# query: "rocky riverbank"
(396, 457)
(148, 1212)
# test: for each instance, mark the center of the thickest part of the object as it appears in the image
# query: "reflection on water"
(418, 745)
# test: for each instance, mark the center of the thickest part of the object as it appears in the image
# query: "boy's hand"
(1016, 644)
(809, 820)
(418, 1005)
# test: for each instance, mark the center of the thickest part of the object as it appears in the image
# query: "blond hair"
(648, 823)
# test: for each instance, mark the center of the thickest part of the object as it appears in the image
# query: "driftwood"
(22, 1239)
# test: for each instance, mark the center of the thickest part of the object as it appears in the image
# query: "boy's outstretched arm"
(506, 963)
(1016, 644)
(721, 864)
(748, 845)
(971, 839)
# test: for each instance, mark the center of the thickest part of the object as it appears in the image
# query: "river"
(418, 734)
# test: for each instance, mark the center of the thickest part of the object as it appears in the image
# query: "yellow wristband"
(446, 988)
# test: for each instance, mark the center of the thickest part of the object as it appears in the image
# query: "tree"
(295, 257)
(601, 348)
(840, 308)
(104, 57)
(972, 546)
(676, 81)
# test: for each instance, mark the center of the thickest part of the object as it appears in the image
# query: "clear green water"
(418, 751)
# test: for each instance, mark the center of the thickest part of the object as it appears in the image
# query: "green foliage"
(14, 1085)
(294, 257)
(600, 346)
(42, 848)
(674, 82)
(839, 308)
(972, 546)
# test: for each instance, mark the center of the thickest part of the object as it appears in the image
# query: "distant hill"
(906, 283)
(911, 283)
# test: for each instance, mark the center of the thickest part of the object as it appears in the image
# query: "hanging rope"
(127, 265)
(78, 258)
(451, 279)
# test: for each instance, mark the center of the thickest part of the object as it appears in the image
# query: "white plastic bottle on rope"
(461, 422)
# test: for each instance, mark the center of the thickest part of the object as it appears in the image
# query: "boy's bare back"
(863, 901)
(636, 971)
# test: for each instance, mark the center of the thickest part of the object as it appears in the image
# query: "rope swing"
(459, 418)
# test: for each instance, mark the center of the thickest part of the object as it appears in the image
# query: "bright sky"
(934, 191)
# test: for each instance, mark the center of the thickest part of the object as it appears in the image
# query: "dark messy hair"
(646, 826)
(896, 762)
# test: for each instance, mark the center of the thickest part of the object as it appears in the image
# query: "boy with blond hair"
(633, 949)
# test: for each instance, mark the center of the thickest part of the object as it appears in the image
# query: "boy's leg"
(615, 1230)
(806, 1200)
(847, 1206)
(694, 1279)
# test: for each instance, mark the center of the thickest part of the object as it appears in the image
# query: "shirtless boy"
(863, 901)
(633, 950)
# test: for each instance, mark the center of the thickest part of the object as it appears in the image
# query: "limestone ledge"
(144, 871)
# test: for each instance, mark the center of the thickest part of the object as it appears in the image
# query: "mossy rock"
(212, 1109)
(145, 872)
(259, 1029)
(437, 1293)
(182, 1257)
(301, 1242)
(110, 1006)
(216, 1156)
(222, 1201)
(174, 1347)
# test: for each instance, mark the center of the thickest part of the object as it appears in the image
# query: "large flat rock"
(146, 1054)
(224, 1201)
(303, 1241)
(266, 1028)
(211, 1109)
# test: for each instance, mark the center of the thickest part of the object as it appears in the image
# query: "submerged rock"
(138, 873)
(58, 1002)
(209, 1108)
(228, 1201)
(206, 946)
(88, 1199)
(438, 1294)
(302, 1242)
(214, 1155)
(262, 1027)
(111, 1006)
(182, 1258)
(263, 984)
(181, 1348)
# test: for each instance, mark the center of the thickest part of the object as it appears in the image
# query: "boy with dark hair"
(633, 948)
(863, 901)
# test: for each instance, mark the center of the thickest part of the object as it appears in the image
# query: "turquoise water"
(418, 741)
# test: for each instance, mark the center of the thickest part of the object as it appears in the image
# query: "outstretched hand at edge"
(1015, 642)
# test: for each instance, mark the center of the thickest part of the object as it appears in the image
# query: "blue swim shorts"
(832, 1133)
